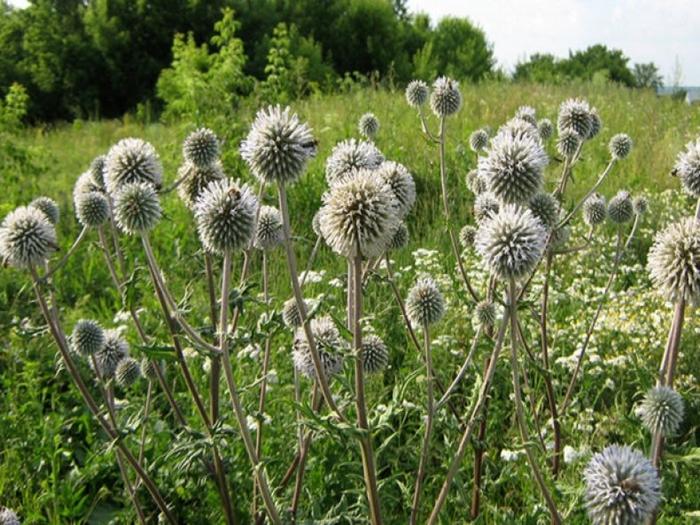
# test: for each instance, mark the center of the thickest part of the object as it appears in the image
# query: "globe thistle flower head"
(478, 140)
(622, 487)
(85, 184)
(128, 371)
(278, 145)
(661, 410)
(114, 349)
(360, 216)
(97, 169)
(511, 242)
(132, 161)
(674, 261)
(445, 98)
(92, 209)
(268, 231)
(688, 168)
(475, 182)
(485, 205)
(225, 215)
(27, 238)
(595, 210)
(640, 204)
(417, 93)
(567, 143)
(546, 208)
(596, 124)
(401, 183)
(368, 125)
(48, 207)
(87, 338)
(466, 236)
(201, 147)
(620, 209)
(290, 313)
(514, 167)
(8, 517)
(136, 208)
(195, 179)
(575, 116)
(517, 128)
(349, 156)
(486, 314)
(149, 369)
(425, 304)
(316, 223)
(328, 344)
(545, 129)
(527, 113)
(620, 146)
(375, 354)
(399, 239)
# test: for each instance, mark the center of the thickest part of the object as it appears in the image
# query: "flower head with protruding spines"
(290, 313)
(517, 128)
(475, 182)
(329, 345)
(478, 140)
(349, 156)
(27, 238)
(196, 178)
(201, 147)
(620, 146)
(596, 124)
(425, 304)
(225, 215)
(485, 205)
(687, 168)
(128, 371)
(97, 169)
(445, 98)
(575, 116)
(661, 410)
(486, 313)
(368, 125)
(595, 210)
(568, 143)
(417, 93)
(546, 208)
(85, 184)
(640, 204)
(401, 183)
(92, 208)
(8, 517)
(132, 161)
(622, 487)
(399, 239)
(527, 113)
(545, 129)
(278, 145)
(620, 209)
(114, 349)
(466, 236)
(136, 208)
(149, 369)
(375, 354)
(87, 338)
(48, 206)
(268, 231)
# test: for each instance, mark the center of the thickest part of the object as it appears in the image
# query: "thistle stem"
(70, 252)
(215, 361)
(595, 186)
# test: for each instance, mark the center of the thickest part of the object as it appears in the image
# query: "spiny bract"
(425, 304)
(661, 410)
(48, 207)
(688, 168)
(401, 183)
(351, 155)
(527, 113)
(567, 143)
(375, 354)
(27, 238)
(127, 372)
(195, 178)
(368, 125)
(131, 161)
(201, 147)
(400, 238)
(268, 231)
(290, 313)
(466, 236)
(545, 128)
(620, 209)
(485, 205)
(478, 140)
(328, 344)
(575, 116)
(87, 338)
(417, 93)
(486, 313)
(445, 98)
(546, 208)
(136, 208)
(620, 146)
(92, 208)
(595, 210)
(115, 349)
(149, 369)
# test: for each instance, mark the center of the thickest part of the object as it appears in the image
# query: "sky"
(658, 31)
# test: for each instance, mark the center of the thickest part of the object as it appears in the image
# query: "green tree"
(647, 76)
(540, 68)
(598, 58)
(460, 49)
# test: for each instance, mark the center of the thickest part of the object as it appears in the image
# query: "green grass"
(55, 466)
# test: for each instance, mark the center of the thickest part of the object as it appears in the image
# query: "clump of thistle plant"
(545, 128)
(527, 113)
(568, 143)
(195, 178)
(485, 205)
(400, 238)
(485, 313)
(290, 313)
(27, 237)
(575, 116)
(661, 410)
(399, 179)
(546, 208)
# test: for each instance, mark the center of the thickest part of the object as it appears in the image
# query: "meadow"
(56, 468)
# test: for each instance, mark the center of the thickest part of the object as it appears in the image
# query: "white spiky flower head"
(132, 161)
(417, 93)
(514, 167)
(545, 129)
(114, 349)
(527, 113)
(620, 146)
(620, 208)
(225, 215)
(195, 179)
(640, 204)
(149, 369)
(596, 124)
(425, 304)
(27, 238)
(568, 143)
(516, 128)
(476, 183)
(595, 210)
(136, 208)
(478, 140)
(546, 208)
(622, 487)
(290, 313)
(375, 354)
(359, 216)
(201, 147)
(511, 242)
(85, 184)
(399, 239)
(278, 145)
(87, 338)
(688, 168)
(128, 371)
(485, 205)
(674, 261)
(575, 116)
(445, 98)
(349, 156)
(8, 517)
(661, 410)
(268, 231)
(91, 208)
(329, 345)
(401, 183)
(466, 236)
(49, 207)
(97, 169)
(486, 313)
(368, 125)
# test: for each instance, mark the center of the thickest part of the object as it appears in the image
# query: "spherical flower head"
(268, 231)
(225, 215)
(476, 183)
(48, 206)
(445, 99)
(511, 242)
(349, 156)
(674, 261)
(399, 239)
(595, 210)
(486, 314)
(316, 223)
(622, 487)
(517, 127)
(545, 129)
(328, 344)
(401, 183)
(620, 209)
(478, 140)
(375, 354)
(688, 168)
(128, 371)
(485, 205)
(136, 208)
(87, 338)
(661, 410)
(85, 184)
(290, 313)
(568, 143)
(596, 124)
(640, 204)
(575, 116)
(132, 161)
(278, 145)
(97, 169)
(195, 178)
(360, 216)
(368, 125)
(620, 146)
(417, 93)
(466, 236)
(149, 369)
(92, 209)
(425, 304)
(8, 517)
(546, 208)
(514, 167)
(201, 147)
(27, 238)
(115, 349)
(527, 113)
